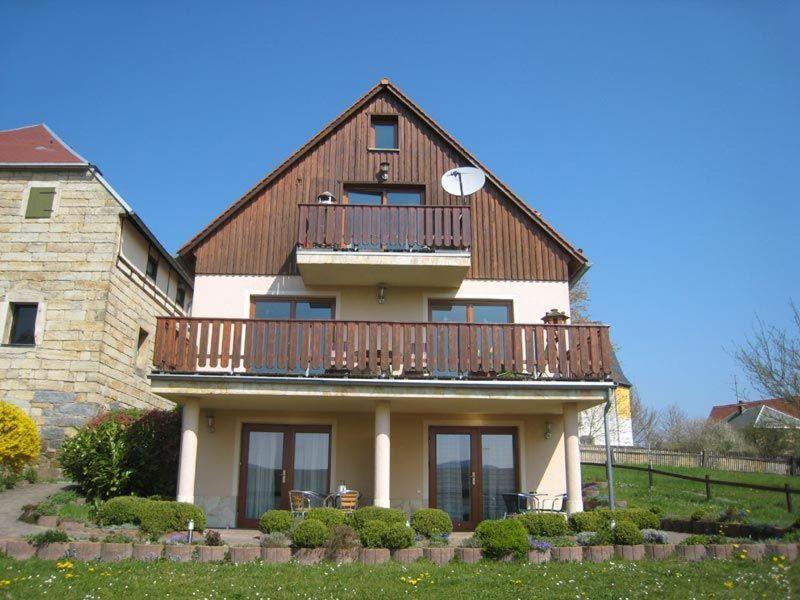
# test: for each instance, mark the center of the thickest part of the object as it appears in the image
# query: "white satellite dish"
(463, 181)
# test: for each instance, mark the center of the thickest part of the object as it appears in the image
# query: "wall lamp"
(210, 421)
(548, 430)
(381, 297)
(383, 174)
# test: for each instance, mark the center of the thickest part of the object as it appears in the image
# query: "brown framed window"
(383, 134)
(152, 267)
(180, 296)
(292, 308)
(470, 311)
(385, 195)
(22, 331)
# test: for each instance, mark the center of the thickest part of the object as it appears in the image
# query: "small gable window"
(152, 267)
(384, 132)
(180, 296)
(40, 203)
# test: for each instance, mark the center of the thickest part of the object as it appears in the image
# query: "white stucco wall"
(228, 296)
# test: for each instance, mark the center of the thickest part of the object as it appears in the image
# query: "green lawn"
(680, 498)
(711, 579)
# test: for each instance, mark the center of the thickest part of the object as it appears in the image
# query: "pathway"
(12, 501)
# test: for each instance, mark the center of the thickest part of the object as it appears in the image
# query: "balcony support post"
(382, 454)
(572, 459)
(190, 424)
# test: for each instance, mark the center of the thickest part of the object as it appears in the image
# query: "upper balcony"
(387, 350)
(349, 244)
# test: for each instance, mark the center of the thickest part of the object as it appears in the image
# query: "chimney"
(555, 317)
(740, 406)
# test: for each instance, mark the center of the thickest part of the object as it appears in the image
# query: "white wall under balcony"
(228, 296)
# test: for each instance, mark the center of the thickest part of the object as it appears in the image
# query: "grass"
(668, 579)
(678, 497)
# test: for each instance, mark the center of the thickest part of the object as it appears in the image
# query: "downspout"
(609, 467)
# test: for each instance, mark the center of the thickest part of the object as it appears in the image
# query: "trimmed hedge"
(544, 524)
(372, 533)
(587, 521)
(626, 533)
(431, 521)
(159, 516)
(330, 516)
(121, 510)
(360, 517)
(502, 537)
(275, 521)
(311, 533)
(397, 536)
(599, 518)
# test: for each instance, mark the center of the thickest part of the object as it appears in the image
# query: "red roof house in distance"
(723, 412)
(36, 145)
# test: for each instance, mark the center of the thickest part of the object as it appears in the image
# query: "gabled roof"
(36, 145)
(763, 417)
(386, 85)
(722, 412)
(617, 373)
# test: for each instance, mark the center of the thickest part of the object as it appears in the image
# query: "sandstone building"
(82, 279)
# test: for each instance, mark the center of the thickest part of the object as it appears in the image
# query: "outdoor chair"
(301, 501)
(346, 501)
(549, 502)
(516, 504)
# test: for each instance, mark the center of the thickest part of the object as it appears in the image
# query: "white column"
(572, 458)
(190, 424)
(382, 454)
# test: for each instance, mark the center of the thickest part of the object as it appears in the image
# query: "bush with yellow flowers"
(19, 438)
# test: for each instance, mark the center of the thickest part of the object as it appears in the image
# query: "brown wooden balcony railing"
(382, 349)
(354, 227)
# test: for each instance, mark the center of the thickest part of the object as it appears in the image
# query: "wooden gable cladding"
(259, 237)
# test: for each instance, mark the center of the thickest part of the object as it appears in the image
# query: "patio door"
(470, 468)
(276, 459)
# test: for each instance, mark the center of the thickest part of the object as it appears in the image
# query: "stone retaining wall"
(88, 551)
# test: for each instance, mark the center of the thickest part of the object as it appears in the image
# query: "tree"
(579, 302)
(771, 359)
(645, 422)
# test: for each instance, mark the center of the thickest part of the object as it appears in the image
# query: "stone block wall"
(90, 309)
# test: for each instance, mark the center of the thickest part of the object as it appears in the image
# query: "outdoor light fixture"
(210, 420)
(190, 528)
(384, 172)
(548, 430)
(381, 293)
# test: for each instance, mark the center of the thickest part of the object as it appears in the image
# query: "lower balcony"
(385, 350)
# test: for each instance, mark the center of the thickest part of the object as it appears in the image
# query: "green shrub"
(398, 536)
(704, 514)
(118, 538)
(372, 532)
(311, 533)
(544, 524)
(656, 510)
(330, 516)
(502, 537)
(696, 540)
(342, 537)
(121, 510)
(358, 518)
(602, 537)
(52, 504)
(125, 452)
(642, 518)
(587, 521)
(431, 521)
(626, 533)
(654, 536)
(275, 521)
(159, 516)
(213, 538)
(562, 541)
(30, 475)
(275, 540)
(50, 536)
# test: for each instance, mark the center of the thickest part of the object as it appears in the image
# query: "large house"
(354, 324)
(82, 279)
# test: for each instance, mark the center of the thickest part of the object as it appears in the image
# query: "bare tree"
(645, 422)
(771, 359)
(579, 302)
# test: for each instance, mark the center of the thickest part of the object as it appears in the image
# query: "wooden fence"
(354, 226)
(380, 349)
(780, 465)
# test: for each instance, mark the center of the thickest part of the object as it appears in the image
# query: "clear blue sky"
(661, 137)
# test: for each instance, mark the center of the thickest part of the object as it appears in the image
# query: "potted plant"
(213, 548)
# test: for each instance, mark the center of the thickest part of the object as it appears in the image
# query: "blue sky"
(661, 137)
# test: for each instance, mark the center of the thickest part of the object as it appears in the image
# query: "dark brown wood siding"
(260, 238)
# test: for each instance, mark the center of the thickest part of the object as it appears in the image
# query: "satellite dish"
(463, 181)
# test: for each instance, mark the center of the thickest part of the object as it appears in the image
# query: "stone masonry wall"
(89, 310)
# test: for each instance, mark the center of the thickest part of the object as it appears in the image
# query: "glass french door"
(470, 470)
(279, 458)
